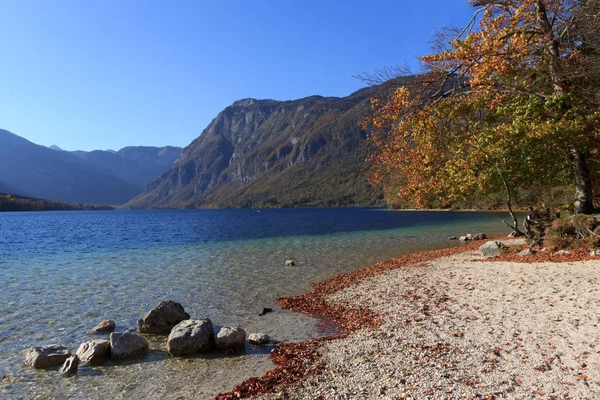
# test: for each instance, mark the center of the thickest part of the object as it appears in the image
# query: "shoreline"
(298, 363)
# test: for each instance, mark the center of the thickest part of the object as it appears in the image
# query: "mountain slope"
(57, 175)
(260, 153)
(137, 165)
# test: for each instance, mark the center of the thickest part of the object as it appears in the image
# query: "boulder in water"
(290, 263)
(70, 366)
(258, 338)
(94, 351)
(162, 318)
(46, 356)
(191, 336)
(230, 338)
(127, 345)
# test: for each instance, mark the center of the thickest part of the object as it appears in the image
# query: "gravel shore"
(454, 328)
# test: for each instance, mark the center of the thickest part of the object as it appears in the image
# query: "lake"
(63, 272)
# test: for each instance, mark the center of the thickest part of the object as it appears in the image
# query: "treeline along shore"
(11, 202)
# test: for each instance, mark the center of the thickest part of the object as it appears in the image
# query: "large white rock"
(190, 337)
(46, 356)
(162, 318)
(490, 249)
(94, 351)
(127, 345)
(230, 338)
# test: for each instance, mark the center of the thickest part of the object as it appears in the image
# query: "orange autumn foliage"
(511, 100)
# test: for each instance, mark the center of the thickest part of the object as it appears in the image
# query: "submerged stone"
(108, 325)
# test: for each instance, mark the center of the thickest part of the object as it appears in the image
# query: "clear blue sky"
(108, 74)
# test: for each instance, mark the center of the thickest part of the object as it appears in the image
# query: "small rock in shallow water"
(480, 236)
(190, 337)
(46, 356)
(108, 325)
(162, 318)
(94, 351)
(258, 338)
(70, 366)
(265, 311)
(290, 263)
(127, 345)
(452, 238)
(231, 338)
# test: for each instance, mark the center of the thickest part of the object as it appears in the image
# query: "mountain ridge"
(32, 170)
(308, 152)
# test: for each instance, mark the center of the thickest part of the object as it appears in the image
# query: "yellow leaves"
(507, 122)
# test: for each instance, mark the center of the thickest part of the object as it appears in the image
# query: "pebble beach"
(447, 324)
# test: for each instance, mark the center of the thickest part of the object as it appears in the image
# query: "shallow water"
(62, 272)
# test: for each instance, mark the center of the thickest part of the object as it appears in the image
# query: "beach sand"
(454, 327)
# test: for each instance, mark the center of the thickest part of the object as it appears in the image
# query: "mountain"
(266, 153)
(29, 169)
(137, 165)
(4, 188)
(95, 177)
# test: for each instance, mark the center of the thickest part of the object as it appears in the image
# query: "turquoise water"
(62, 272)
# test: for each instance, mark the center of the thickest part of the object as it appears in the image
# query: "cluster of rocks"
(469, 237)
(187, 336)
(497, 248)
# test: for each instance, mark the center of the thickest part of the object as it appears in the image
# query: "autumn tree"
(510, 100)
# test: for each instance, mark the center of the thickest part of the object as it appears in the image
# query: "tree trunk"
(515, 223)
(583, 184)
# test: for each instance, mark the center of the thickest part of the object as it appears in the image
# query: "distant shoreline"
(16, 203)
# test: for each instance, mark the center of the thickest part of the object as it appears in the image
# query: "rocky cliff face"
(261, 153)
